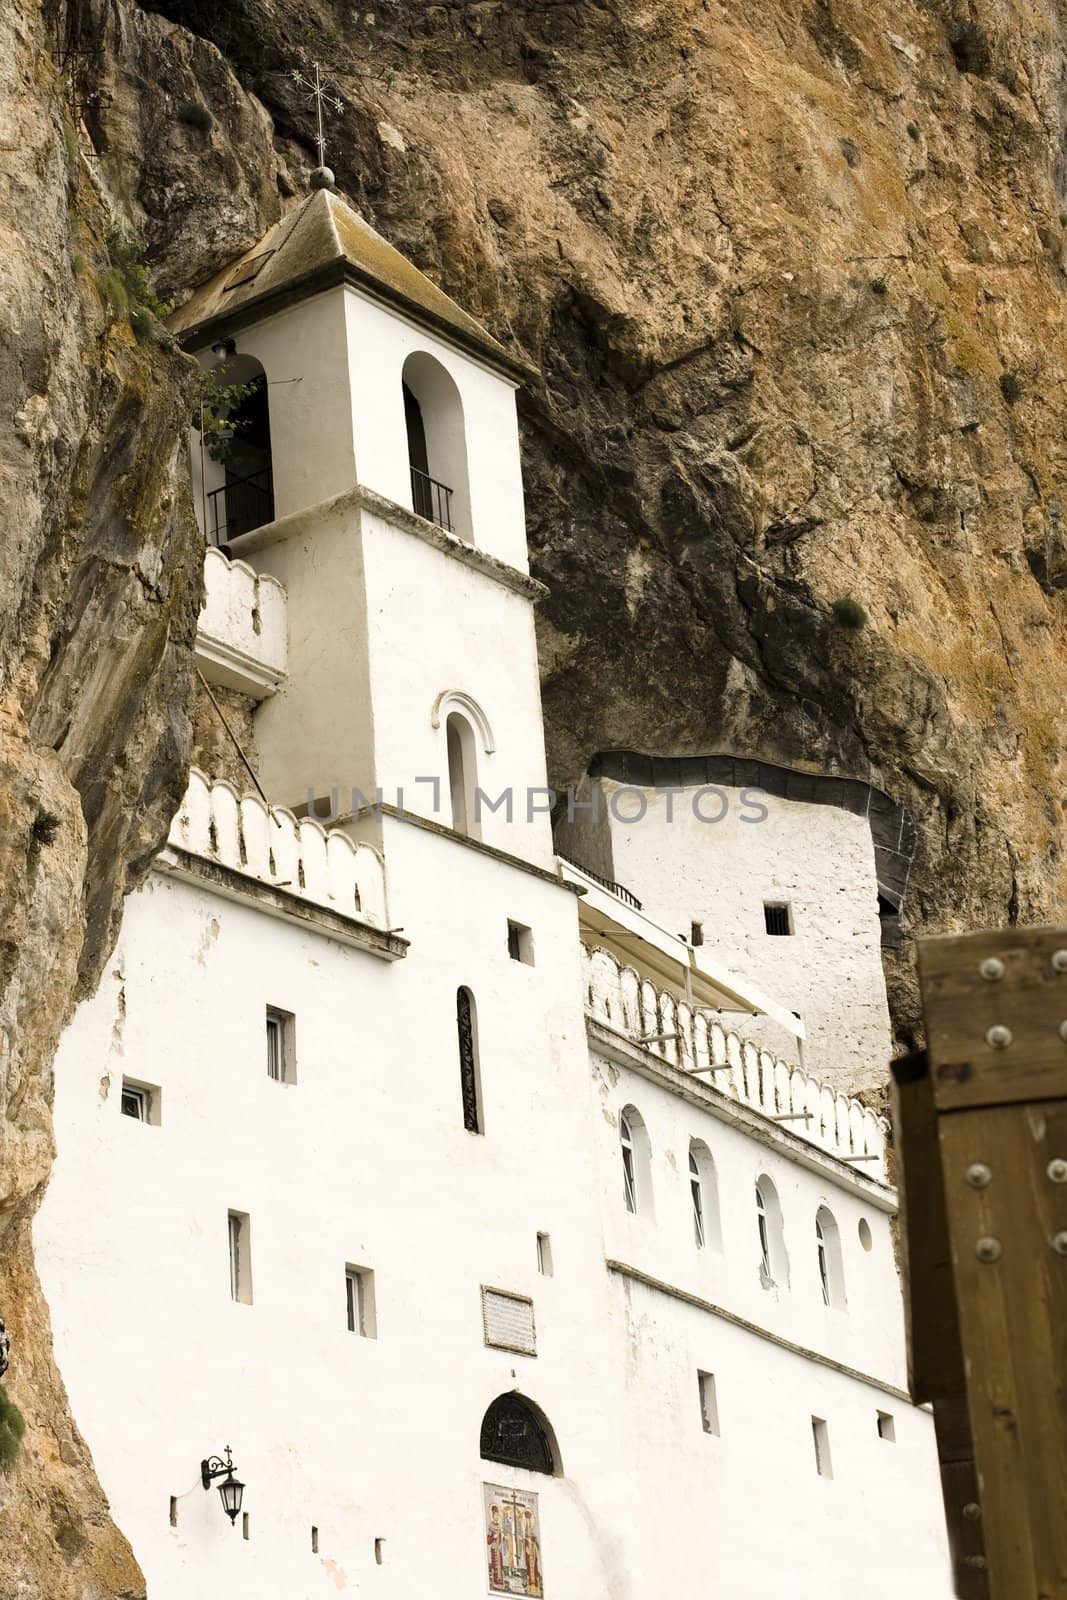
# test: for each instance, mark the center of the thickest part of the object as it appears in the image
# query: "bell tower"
(374, 471)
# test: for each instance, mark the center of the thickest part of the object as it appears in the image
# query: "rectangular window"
(359, 1302)
(520, 943)
(709, 1405)
(544, 1255)
(141, 1101)
(821, 1435)
(281, 1045)
(240, 1235)
(887, 1428)
(776, 918)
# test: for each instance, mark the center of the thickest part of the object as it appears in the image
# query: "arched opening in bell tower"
(237, 470)
(437, 445)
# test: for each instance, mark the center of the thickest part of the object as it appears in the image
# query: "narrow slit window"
(239, 1230)
(629, 1178)
(764, 1234)
(776, 918)
(544, 1255)
(820, 1434)
(281, 1045)
(887, 1428)
(469, 1067)
(696, 1192)
(709, 1404)
(824, 1266)
(359, 1302)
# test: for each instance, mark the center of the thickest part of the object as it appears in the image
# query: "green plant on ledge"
(12, 1428)
(1011, 386)
(126, 288)
(848, 613)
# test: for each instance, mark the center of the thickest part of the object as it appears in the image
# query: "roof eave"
(342, 271)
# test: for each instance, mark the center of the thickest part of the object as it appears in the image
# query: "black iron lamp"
(231, 1489)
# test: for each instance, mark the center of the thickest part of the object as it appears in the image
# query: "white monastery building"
(511, 1240)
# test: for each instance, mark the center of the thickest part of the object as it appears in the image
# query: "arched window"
(828, 1257)
(774, 1263)
(517, 1433)
(636, 1162)
(233, 420)
(462, 774)
(469, 1072)
(437, 445)
(704, 1196)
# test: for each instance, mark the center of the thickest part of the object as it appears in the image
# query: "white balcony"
(241, 635)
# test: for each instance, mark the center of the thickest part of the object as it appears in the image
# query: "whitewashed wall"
(475, 637)
(365, 1160)
(819, 860)
(379, 342)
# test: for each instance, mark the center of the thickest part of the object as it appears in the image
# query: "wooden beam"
(995, 1005)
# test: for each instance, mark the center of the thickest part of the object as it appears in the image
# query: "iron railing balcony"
(246, 502)
(431, 499)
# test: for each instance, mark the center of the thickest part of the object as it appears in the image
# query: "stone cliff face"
(793, 275)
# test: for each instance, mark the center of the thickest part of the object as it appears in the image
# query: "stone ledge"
(621, 1269)
(226, 881)
(398, 517)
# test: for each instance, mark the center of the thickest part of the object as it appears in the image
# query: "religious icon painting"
(512, 1542)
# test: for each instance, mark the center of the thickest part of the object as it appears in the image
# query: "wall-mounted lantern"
(231, 1489)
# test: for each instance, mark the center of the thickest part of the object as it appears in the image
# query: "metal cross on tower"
(319, 92)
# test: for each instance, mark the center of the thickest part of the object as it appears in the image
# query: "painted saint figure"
(494, 1538)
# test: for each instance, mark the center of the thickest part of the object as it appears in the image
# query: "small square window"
(887, 1428)
(240, 1239)
(709, 1404)
(776, 918)
(821, 1435)
(520, 943)
(359, 1302)
(141, 1101)
(544, 1255)
(281, 1045)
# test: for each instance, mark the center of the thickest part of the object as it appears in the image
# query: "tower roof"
(321, 243)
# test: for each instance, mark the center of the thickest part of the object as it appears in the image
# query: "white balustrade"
(241, 632)
(322, 865)
(630, 1004)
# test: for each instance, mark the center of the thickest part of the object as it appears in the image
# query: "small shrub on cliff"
(848, 613)
(880, 285)
(43, 830)
(126, 254)
(144, 326)
(12, 1428)
(970, 47)
(195, 115)
(1011, 386)
(914, 131)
